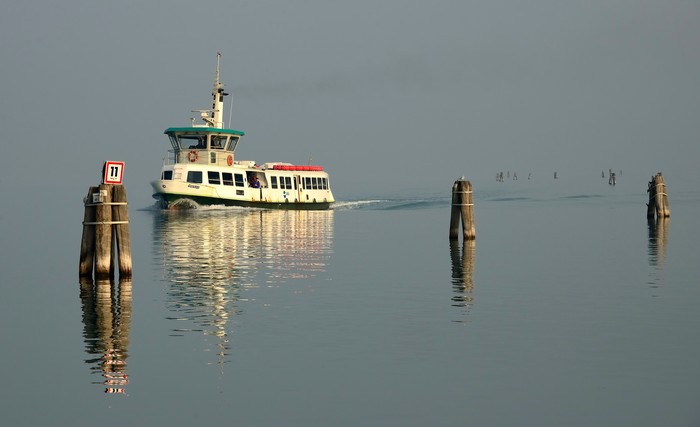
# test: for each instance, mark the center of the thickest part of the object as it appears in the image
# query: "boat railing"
(176, 156)
(214, 157)
(171, 159)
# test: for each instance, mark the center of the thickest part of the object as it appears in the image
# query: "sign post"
(113, 172)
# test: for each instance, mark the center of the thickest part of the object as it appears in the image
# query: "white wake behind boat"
(202, 169)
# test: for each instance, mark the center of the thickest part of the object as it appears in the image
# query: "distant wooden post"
(462, 209)
(658, 199)
(105, 217)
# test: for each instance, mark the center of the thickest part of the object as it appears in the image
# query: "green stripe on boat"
(203, 129)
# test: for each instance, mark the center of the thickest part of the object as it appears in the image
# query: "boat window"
(214, 178)
(273, 182)
(217, 142)
(174, 142)
(288, 181)
(228, 178)
(307, 183)
(324, 183)
(194, 177)
(232, 142)
(296, 179)
(192, 141)
(314, 183)
(239, 180)
(167, 175)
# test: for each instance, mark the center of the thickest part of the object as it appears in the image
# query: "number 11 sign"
(113, 172)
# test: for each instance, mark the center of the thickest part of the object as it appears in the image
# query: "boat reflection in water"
(209, 256)
(107, 323)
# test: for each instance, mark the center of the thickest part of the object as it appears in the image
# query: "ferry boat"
(202, 169)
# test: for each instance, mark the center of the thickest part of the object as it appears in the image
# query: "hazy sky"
(386, 95)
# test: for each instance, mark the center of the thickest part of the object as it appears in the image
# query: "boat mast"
(216, 113)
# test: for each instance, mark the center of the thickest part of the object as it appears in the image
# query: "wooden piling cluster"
(105, 233)
(658, 199)
(462, 209)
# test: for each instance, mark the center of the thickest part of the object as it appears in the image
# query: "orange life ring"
(193, 156)
(229, 160)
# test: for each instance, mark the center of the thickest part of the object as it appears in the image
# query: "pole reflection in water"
(658, 229)
(210, 255)
(107, 322)
(462, 273)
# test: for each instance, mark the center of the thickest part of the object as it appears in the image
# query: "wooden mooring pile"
(462, 209)
(105, 233)
(658, 199)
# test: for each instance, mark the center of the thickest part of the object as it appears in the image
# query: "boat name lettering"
(193, 186)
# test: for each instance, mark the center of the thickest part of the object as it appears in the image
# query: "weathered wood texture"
(658, 198)
(87, 243)
(462, 209)
(120, 214)
(456, 212)
(106, 236)
(103, 235)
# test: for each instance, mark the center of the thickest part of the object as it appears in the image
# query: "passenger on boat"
(254, 182)
(200, 144)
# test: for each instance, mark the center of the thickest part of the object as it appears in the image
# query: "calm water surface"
(570, 309)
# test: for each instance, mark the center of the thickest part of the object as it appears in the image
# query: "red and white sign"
(113, 172)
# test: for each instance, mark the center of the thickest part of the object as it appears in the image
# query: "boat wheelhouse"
(202, 169)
